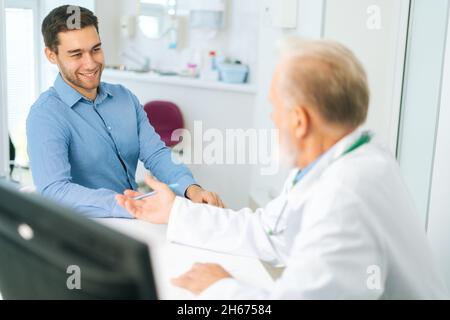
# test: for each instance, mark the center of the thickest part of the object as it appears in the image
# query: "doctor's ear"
(300, 121)
(51, 55)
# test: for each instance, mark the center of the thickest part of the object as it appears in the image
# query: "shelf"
(179, 81)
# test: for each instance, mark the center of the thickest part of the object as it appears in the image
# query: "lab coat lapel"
(300, 192)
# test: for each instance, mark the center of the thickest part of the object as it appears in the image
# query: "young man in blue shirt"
(85, 136)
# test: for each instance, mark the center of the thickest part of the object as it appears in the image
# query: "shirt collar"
(70, 96)
(302, 172)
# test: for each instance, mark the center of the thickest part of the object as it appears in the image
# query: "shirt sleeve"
(223, 230)
(157, 158)
(48, 146)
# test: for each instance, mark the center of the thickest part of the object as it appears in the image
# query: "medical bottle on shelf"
(212, 60)
(210, 71)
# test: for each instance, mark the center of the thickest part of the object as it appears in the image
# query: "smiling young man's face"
(80, 59)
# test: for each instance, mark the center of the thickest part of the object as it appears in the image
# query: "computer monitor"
(50, 252)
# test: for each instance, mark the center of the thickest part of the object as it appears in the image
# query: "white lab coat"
(349, 231)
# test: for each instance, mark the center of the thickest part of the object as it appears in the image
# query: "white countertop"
(170, 260)
(111, 74)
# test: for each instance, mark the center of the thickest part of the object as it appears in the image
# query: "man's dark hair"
(61, 19)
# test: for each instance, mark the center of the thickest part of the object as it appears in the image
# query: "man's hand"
(200, 277)
(198, 195)
(154, 209)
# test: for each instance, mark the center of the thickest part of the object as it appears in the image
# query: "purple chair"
(165, 117)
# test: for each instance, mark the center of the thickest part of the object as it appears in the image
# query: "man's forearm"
(99, 203)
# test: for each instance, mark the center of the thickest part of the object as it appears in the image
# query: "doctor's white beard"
(288, 154)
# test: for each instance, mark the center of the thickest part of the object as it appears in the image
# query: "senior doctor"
(344, 226)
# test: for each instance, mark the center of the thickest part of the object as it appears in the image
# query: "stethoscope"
(365, 138)
(274, 231)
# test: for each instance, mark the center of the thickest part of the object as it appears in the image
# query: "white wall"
(381, 52)
(4, 143)
(309, 25)
(108, 13)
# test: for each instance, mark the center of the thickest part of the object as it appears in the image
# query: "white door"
(439, 211)
(421, 98)
(375, 30)
(424, 139)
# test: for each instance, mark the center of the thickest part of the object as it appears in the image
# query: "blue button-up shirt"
(84, 152)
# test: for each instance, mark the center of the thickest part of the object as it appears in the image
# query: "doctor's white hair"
(325, 75)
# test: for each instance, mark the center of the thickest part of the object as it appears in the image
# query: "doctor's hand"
(200, 277)
(197, 194)
(154, 209)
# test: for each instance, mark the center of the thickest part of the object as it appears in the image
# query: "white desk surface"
(169, 260)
